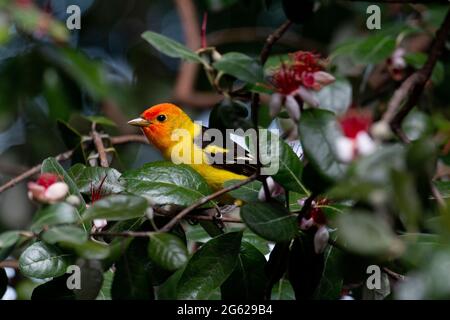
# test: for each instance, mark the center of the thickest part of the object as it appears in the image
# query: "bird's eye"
(161, 118)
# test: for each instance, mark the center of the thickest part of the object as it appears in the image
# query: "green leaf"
(42, 261)
(270, 220)
(210, 266)
(91, 279)
(51, 165)
(167, 183)
(92, 177)
(55, 289)
(290, 170)
(116, 208)
(101, 120)
(105, 291)
(92, 250)
(58, 213)
(336, 97)
(170, 47)
(167, 250)
(65, 234)
(248, 280)
(318, 131)
(241, 67)
(367, 234)
(283, 291)
(442, 186)
(259, 243)
(247, 193)
(9, 238)
(132, 279)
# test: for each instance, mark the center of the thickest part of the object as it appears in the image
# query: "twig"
(65, 156)
(34, 170)
(307, 205)
(98, 142)
(412, 87)
(204, 200)
(394, 275)
(272, 39)
(13, 264)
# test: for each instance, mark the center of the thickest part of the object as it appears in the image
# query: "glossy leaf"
(247, 282)
(9, 238)
(336, 97)
(116, 208)
(167, 183)
(59, 213)
(65, 234)
(55, 289)
(167, 250)
(247, 193)
(87, 178)
(43, 261)
(210, 266)
(132, 279)
(270, 220)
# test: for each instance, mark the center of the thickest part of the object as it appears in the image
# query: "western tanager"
(161, 125)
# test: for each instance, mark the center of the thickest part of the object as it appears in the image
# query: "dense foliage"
(361, 187)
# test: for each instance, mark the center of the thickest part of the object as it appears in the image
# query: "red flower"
(47, 189)
(353, 123)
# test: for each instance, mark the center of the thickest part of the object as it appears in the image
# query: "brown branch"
(65, 156)
(394, 275)
(205, 200)
(13, 264)
(412, 88)
(36, 169)
(98, 142)
(272, 39)
(184, 90)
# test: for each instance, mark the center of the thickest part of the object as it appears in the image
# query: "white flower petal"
(321, 79)
(321, 239)
(364, 144)
(275, 103)
(292, 108)
(305, 224)
(100, 223)
(56, 191)
(380, 130)
(344, 149)
(274, 189)
(308, 97)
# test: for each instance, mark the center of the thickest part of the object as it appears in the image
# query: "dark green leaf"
(92, 250)
(247, 193)
(65, 234)
(55, 289)
(87, 178)
(105, 291)
(42, 261)
(167, 250)
(269, 220)
(91, 279)
(116, 208)
(170, 47)
(132, 279)
(259, 243)
(167, 183)
(101, 120)
(59, 213)
(418, 59)
(248, 280)
(241, 67)
(210, 266)
(318, 132)
(332, 279)
(283, 291)
(277, 265)
(305, 267)
(375, 49)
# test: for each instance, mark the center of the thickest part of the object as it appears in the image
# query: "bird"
(172, 131)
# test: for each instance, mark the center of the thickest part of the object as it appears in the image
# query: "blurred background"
(54, 81)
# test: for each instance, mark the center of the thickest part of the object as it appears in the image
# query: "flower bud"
(73, 200)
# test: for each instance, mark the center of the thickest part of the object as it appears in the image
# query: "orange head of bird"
(159, 122)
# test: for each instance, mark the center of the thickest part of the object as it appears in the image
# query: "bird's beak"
(139, 122)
